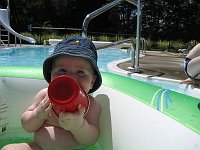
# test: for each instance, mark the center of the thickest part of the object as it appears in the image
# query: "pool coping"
(113, 67)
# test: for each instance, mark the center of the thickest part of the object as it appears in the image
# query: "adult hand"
(44, 108)
(72, 121)
(190, 81)
(187, 81)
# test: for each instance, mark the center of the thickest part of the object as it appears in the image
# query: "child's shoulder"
(94, 109)
(93, 101)
(43, 91)
(41, 94)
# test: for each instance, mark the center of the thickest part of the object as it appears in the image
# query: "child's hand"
(44, 108)
(72, 121)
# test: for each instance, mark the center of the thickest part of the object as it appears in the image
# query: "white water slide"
(4, 21)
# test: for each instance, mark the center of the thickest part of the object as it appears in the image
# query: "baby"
(75, 57)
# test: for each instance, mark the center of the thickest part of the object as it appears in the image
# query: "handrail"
(96, 13)
(132, 2)
(8, 9)
(3, 43)
(143, 41)
(102, 46)
(109, 6)
(100, 11)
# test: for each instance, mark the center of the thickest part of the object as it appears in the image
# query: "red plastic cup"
(66, 94)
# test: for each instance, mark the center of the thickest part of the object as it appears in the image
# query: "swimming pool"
(35, 55)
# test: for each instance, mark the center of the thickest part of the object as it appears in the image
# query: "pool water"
(27, 140)
(14, 140)
(18, 135)
(174, 86)
(35, 55)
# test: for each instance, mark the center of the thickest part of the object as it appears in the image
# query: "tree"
(161, 19)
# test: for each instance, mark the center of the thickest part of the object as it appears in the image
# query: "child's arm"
(85, 129)
(87, 134)
(33, 118)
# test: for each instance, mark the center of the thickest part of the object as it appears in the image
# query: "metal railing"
(109, 6)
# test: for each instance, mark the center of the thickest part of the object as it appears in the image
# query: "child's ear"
(93, 80)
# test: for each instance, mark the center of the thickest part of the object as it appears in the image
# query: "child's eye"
(80, 72)
(62, 70)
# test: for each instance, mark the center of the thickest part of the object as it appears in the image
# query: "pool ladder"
(4, 37)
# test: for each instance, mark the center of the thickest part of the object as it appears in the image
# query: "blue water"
(35, 55)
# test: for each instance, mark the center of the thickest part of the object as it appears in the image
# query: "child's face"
(76, 67)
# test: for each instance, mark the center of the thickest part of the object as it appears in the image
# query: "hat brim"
(47, 67)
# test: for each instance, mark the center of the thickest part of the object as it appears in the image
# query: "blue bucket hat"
(77, 47)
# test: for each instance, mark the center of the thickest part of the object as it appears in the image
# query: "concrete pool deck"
(157, 64)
